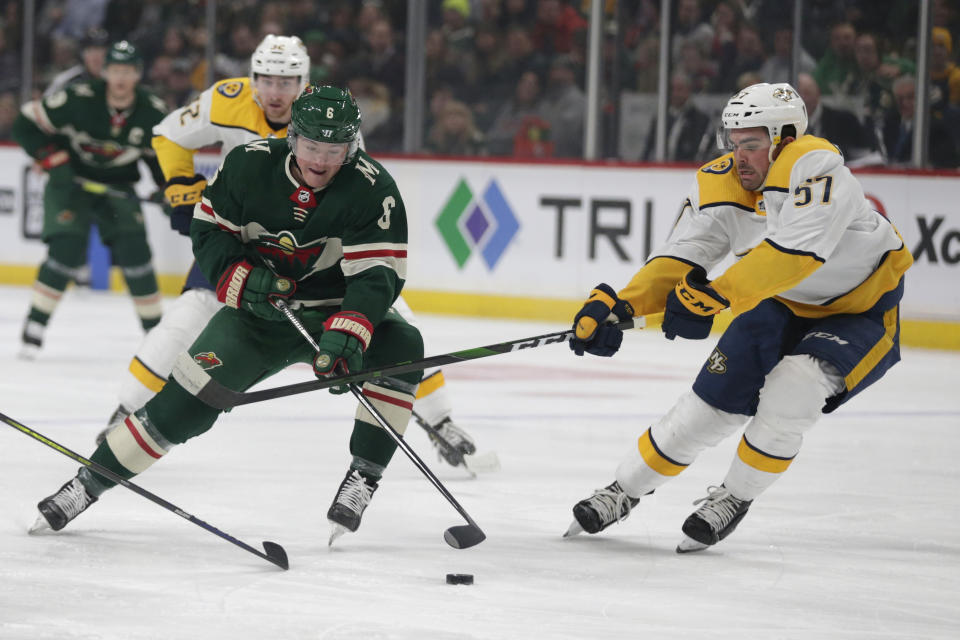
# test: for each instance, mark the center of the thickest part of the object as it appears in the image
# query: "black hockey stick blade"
(276, 554)
(464, 536)
(214, 394)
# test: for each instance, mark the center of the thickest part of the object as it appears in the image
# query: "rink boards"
(522, 240)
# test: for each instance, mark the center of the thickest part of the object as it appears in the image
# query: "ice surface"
(860, 539)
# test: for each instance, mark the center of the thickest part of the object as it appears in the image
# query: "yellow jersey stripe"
(753, 457)
(175, 161)
(765, 271)
(647, 290)
(655, 458)
(877, 352)
(778, 177)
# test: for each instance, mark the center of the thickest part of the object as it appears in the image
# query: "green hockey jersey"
(345, 244)
(103, 145)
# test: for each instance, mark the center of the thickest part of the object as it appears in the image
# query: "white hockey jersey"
(809, 238)
(226, 114)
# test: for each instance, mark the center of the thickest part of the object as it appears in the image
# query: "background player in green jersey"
(317, 222)
(96, 131)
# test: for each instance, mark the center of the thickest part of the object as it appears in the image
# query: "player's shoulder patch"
(156, 102)
(231, 87)
(719, 166)
(718, 185)
(82, 89)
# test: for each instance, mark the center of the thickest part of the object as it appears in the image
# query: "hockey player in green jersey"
(96, 131)
(312, 220)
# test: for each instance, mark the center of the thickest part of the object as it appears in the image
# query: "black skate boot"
(118, 417)
(599, 511)
(66, 504)
(353, 496)
(451, 442)
(716, 518)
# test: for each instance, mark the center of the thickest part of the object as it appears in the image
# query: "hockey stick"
(274, 552)
(101, 189)
(214, 394)
(458, 537)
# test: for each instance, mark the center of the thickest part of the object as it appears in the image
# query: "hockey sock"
(142, 283)
(393, 399)
(97, 484)
(132, 255)
(51, 282)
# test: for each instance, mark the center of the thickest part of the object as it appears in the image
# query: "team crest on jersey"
(290, 258)
(207, 360)
(719, 167)
(66, 216)
(100, 150)
(230, 89)
(717, 362)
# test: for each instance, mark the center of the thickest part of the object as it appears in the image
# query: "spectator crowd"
(507, 77)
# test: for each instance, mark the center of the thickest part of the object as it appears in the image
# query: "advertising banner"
(543, 231)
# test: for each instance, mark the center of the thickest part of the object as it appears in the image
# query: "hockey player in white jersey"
(815, 293)
(230, 113)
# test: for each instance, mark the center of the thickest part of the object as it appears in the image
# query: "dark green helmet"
(123, 53)
(326, 114)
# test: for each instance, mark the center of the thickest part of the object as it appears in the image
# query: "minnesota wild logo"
(293, 260)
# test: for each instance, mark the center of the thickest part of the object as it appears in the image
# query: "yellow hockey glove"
(691, 306)
(594, 331)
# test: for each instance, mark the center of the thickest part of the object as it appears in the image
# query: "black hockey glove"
(691, 307)
(244, 286)
(346, 335)
(594, 331)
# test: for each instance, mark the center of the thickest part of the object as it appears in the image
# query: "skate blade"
(689, 545)
(40, 526)
(28, 352)
(573, 530)
(481, 462)
(336, 530)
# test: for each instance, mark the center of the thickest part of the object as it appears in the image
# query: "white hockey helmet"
(777, 107)
(281, 56)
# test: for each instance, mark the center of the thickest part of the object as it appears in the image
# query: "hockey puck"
(459, 578)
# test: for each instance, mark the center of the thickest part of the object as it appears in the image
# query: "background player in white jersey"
(815, 294)
(234, 112)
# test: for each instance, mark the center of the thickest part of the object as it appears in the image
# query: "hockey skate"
(353, 496)
(455, 447)
(66, 504)
(716, 518)
(451, 442)
(599, 511)
(31, 340)
(118, 417)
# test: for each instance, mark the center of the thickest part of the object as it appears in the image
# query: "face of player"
(93, 58)
(277, 94)
(319, 162)
(122, 81)
(751, 155)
